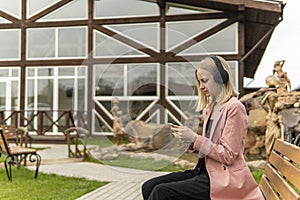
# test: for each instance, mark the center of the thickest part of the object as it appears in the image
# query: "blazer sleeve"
(231, 142)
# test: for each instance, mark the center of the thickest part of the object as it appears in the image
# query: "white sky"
(284, 45)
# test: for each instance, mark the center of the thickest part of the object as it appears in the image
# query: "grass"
(46, 186)
(257, 173)
(151, 164)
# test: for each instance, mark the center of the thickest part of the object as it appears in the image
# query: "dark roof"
(261, 17)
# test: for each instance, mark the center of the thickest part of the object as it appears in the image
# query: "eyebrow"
(204, 79)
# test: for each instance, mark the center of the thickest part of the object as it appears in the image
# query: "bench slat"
(280, 185)
(288, 150)
(267, 189)
(286, 168)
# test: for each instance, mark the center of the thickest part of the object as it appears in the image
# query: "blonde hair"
(227, 89)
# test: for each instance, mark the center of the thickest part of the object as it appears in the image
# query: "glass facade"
(63, 42)
(75, 60)
(55, 89)
(10, 44)
(9, 90)
(124, 8)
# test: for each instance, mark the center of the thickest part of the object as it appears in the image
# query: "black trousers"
(187, 185)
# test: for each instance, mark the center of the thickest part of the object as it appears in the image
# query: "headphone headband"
(221, 76)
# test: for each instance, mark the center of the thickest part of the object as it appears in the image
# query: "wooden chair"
(15, 155)
(77, 136)
(281, 178)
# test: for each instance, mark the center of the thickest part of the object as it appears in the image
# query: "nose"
(201, 86)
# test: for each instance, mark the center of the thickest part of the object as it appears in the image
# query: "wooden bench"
(17, 135)
(281, 177)
(17, 154)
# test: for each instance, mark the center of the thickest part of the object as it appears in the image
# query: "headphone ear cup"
(218, 78)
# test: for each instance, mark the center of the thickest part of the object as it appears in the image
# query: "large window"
(72, 11)
(124, 8)
(9, 90)
(56, 89)
(10, 44)
(135, 85)
(49, 43)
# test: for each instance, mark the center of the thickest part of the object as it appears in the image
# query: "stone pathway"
(125, 184)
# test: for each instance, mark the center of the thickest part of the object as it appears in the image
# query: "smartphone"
(173, 125)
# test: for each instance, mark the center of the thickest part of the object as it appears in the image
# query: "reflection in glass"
(178, 32)
(66, 87)
(72, 42)
(15, 72)
(81, 70)
(71, 11)
(110, 47)
(176, 9)
(81, 95)
(12, 7)
(137, 107)
(130, 109)
(30, 71)
(9, 44)
(124, 8)
(100, 125)
(4, 72)
(45, 72)
(15, 91)
(41, 43)
(109, 80)
(224, 41)
(35, 6)
(45, 91)
(9, 90)
(2, 95)
(181, 79)
(234, 71)
(142, 79)
(66, 71)
(146, 33)
(30, 91)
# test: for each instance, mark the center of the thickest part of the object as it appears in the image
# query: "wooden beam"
(48, 10)
(9, 17)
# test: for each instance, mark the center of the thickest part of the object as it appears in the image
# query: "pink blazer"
(230, 177)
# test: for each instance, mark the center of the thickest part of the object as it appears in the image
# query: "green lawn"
(46, 186)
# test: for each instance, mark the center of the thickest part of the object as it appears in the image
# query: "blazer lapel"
(206, 118)
(218, 124)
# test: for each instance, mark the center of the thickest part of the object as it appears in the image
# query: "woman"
(221, 171)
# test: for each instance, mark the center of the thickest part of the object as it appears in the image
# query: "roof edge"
(266, 5)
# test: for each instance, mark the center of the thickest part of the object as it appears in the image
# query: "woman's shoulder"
(234, 102)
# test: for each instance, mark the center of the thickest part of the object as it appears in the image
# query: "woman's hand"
(184, 133)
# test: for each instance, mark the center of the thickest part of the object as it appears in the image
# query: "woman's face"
(207, 84)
